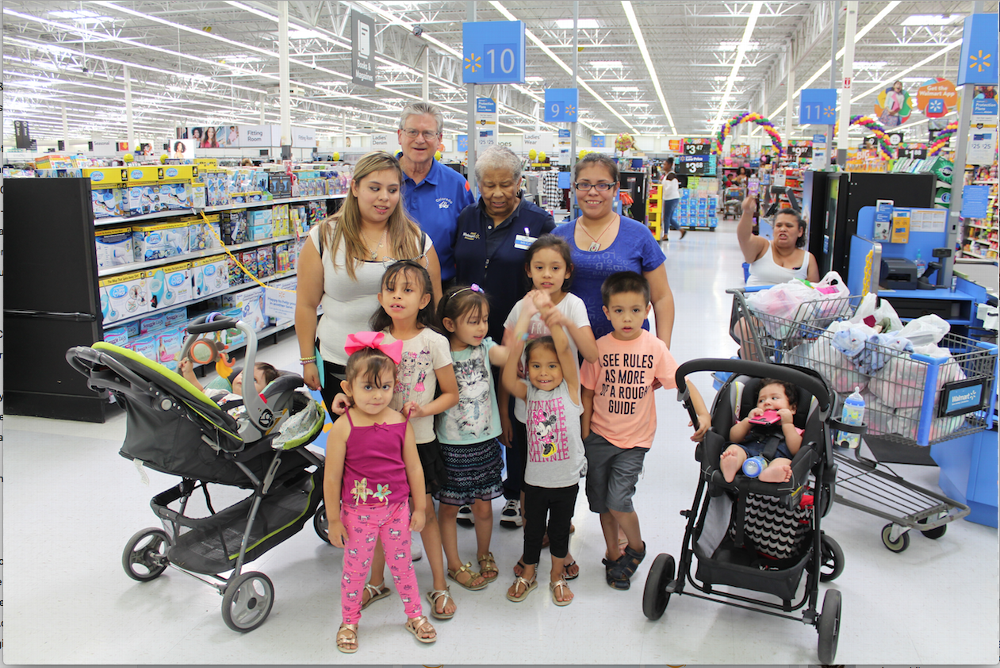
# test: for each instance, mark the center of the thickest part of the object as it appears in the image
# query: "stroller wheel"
(934, 533)
(898, 545)
(144, 557)
(321, 524)
(655, 596)
(829, 627)
(831, 562)
(247, 601)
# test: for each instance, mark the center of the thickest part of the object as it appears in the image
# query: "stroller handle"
(200, 326)
(810, 382)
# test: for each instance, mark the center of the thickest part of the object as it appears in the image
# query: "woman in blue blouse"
(604, 242)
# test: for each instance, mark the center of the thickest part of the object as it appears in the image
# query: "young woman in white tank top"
(781, 259)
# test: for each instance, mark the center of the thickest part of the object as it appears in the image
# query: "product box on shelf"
(279, 184)
(236, 275)
(261, 232)
(142, 199)
(204, 233)
(152, 324)
(114, 247)
(209, 275)
(159, 241)
(282, 258)
(176, 317)
(180, 172)
(298, 221)
(265, 261)
(169, 285)
(175, 196)
(260, 217)
(279, 218)
(123, 296)
(116, 337)
(132, 328)
(233, 225)
(169, 344)
(149, 174)
(249, 197)
(145, 346)
(251, 305)
(233, 337)
(107, 202)
(249, 260)
(199, 195)
(106, 177)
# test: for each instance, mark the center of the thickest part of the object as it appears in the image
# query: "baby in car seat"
(750, 437)
(263, 373)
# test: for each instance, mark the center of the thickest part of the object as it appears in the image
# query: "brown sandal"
(473, 576)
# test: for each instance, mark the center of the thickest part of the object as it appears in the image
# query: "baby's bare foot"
(729, 464)
(779, 473)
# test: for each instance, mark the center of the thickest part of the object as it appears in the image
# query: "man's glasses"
(600, 186)
(427, 134)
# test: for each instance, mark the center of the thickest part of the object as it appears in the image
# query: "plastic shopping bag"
(925, 330)
(877, 313)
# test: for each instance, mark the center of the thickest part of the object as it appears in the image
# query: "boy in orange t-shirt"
(619, 418)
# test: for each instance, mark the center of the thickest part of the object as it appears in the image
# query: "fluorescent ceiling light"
(930, 20)
(654, 77)
(606, 64)
(581, 24)
(300, 33)
(534, 79)
(870, 64)
(738, 60)
(72, 14)
(722, 78)
(625, 89)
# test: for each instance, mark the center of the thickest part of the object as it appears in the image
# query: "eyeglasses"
(600, 186)
(427, 134)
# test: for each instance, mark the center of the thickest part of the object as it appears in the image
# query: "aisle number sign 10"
(818, 106)
(493, 52)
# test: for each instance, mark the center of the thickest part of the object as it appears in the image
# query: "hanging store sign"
(561, 105)
(697, 146)
(936, 97)
(380, 142)
(818, 106)
(362, 49)
(255, 135)
(982, 148)
(493, 52)
(487, 123)
(978, 62)
(597, 141)
(22, 134)
(463, 143)
(303, 137)
(540, 141)
(911, 150)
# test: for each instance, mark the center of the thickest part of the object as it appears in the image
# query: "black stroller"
(174, 428)
(754, 535)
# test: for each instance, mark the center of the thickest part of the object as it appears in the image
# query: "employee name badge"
(523, 241)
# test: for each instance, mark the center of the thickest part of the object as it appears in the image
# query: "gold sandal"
(528, 587)
(473, 575)
(553, 586)
(419, 625)
(344, 640)
(490, 567)
(433, 597)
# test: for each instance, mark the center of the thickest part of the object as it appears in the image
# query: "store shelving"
(118, 220)
(187, 257)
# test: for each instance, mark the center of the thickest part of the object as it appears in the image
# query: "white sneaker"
(465, 516)
(510, 516)
(416, 552)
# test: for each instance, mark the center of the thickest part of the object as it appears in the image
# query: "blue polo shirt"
(435, 204)
(486, 254)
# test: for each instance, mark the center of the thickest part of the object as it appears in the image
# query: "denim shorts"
(612, 473)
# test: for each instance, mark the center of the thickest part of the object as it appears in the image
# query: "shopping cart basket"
(912, 401)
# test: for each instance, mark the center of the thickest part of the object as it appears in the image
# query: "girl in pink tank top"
(372, 472)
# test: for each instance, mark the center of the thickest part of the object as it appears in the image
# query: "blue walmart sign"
(978, 63)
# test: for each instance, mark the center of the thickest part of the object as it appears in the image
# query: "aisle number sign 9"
(493, 52)
(561, 105)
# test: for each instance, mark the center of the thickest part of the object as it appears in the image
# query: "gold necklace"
(596, 245)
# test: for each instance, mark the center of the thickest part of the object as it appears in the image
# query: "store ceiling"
(215, 62)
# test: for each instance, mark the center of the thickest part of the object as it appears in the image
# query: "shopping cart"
(912, 401)
(732, 200)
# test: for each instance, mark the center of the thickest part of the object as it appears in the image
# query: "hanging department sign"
(936, 97)
(493, 52)
(362, 51)
(979, 50)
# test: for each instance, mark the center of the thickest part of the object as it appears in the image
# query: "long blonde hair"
(402, 233)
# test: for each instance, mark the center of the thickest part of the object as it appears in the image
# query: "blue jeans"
(669, 207)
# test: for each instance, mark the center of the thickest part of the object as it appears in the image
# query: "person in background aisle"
(341, 268)
(619, 417)
(468, 432)
(671, 196)
(372, 469)
(552, 478)
(433, 194)
(604, 242)
(491, 248)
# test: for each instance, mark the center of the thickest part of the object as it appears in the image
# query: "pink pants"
(364, 525)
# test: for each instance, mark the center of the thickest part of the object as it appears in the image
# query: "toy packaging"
(265, 261)
(204, 235)
(159, 241)
(209, 275)
(152, 324)
(123, 296)
(236, 275)
(176, 318)
(249, 261)
(107, 202)
(114, 247)
(233, 337)
(280, 218)
(282, 258)
(169, 285)
(199, 196)
(233, 225)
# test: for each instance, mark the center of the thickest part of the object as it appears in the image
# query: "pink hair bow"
(361, 340)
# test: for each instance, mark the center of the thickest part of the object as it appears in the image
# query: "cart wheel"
(655, 596)
(936, 532)
(321, 524)
(247, 601)
(829, 627)
(831, 560)
(144, 557)
(900, 544)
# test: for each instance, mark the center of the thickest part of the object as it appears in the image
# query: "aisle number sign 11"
(818, 106)
(493, 52)
(561, 105)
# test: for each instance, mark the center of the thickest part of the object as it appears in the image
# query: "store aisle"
(71, 503)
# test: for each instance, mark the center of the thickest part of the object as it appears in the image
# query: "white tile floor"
(71, 502)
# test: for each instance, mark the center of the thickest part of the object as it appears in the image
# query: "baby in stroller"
(767, 431)
(263, 374)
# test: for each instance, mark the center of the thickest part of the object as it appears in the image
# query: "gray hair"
(420, 109)
(498, 157)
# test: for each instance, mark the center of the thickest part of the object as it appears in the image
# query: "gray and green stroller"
(175, 428)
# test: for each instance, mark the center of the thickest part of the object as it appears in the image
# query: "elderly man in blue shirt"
(433, 194)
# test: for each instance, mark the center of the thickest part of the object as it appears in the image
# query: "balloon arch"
(882, 139)
(748, 117)
(941, 141)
